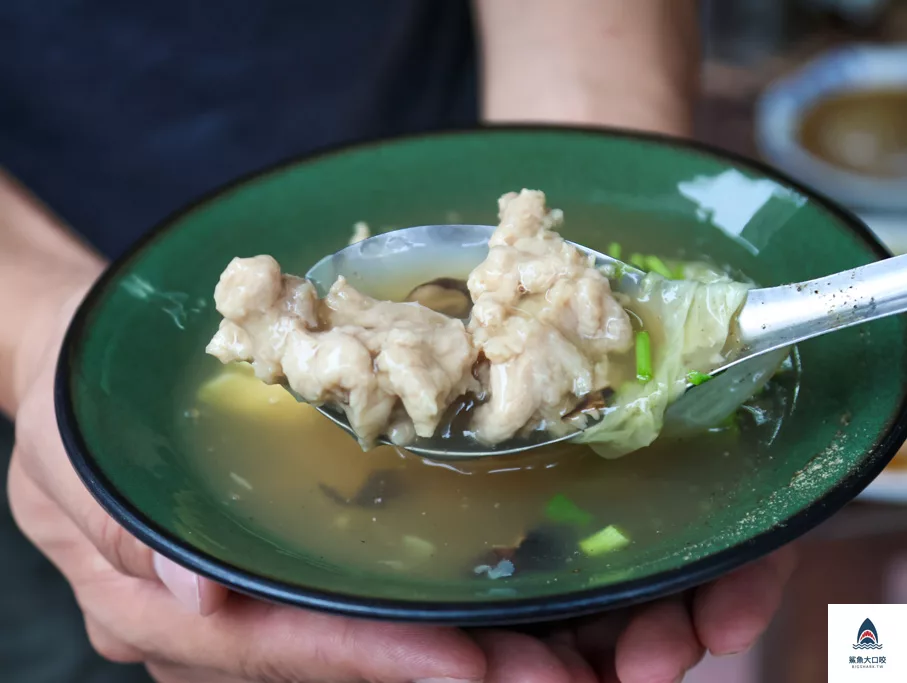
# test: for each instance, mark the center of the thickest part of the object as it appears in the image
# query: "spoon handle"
(780, 316)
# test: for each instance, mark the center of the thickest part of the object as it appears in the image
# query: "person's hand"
(193, 632)
(660, 641)
(139, 607)
(142, 608)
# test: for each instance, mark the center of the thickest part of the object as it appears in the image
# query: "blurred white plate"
(891, 229)
(888, 487)
(782, 105)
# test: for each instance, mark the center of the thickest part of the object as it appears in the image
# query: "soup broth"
(281, 468)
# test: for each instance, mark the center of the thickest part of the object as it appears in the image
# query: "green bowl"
(148, 319)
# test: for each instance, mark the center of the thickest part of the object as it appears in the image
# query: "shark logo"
(867, 637)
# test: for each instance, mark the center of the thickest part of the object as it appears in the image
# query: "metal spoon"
(769, 323)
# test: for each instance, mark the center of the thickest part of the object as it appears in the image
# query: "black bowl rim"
(473, 613)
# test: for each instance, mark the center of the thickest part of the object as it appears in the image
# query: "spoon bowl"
(426, 253)
(765, 329)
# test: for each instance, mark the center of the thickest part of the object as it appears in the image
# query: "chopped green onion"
(638, 260)
(656, 265)
(643, 357)
(680, 272)
(614, 250)
(696, 378)
(617, 271)
(563, 510)
(607, 540)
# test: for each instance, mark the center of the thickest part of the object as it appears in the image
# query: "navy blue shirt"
(117, 112)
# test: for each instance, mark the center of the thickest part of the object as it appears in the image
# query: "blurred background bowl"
(839, 123)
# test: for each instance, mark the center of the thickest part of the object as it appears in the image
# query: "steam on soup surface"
(281, 468)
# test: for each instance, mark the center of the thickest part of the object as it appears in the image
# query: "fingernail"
(180, 581)
(679, 679)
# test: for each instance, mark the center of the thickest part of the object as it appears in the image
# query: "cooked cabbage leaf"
(689, 321)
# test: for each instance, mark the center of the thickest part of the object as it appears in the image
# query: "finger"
(167, 672)
(517, 658)
(194, 592)
(109, 646)
(123, 551)
(47, 525)
(248, 639)
(731, 613)
(245, 638)
(659, 644)
(259, 641)
(596, 639)
(43, 458)
(50, 529)
(564, 645)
